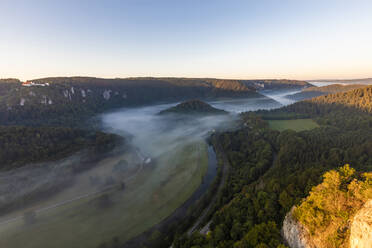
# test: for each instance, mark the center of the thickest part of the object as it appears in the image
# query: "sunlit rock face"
(295, 234)
(361, 227)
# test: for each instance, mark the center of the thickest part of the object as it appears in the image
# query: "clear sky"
(203, 38)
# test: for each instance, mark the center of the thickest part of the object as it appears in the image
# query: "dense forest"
(335, 88)
(73, 100)
(314, 91)
(271, 171)
(21, 145)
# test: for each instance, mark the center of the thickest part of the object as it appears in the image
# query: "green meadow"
(296, 125)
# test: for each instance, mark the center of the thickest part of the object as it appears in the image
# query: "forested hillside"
(314, 91)
(271, 171)
(23, 145)
(70, 101)
(7, 85)
(340, 109)
(193, 107)
(358, 98)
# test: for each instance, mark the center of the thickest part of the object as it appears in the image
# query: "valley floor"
(153, 194)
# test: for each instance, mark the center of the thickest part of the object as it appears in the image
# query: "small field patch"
(296, 125)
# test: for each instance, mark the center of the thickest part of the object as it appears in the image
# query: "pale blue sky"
(224, 39)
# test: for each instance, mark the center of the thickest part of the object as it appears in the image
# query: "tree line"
(21, 145)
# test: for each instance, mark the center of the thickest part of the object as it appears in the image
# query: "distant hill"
(359, 98)
(276, 84)
(72, 100)
(7, 85)
(346, 81)
(354, 100)
(314, 91)
(340, 109)
(193, 107)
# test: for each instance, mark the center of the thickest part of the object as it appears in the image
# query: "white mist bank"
(155, 134)
(280, 95)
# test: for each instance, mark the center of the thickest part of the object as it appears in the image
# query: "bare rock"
(361, 227)
(295, 234)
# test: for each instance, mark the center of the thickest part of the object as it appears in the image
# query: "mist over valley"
(185, 124)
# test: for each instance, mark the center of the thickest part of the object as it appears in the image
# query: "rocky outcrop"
(361, 227)
(295, 234)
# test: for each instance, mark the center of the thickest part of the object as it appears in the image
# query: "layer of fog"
(157, 134)
(243, 105)
(46, 185)
(321, 84)
(280, 96)
(24, 181)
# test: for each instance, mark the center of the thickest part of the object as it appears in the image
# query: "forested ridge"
(359, 98)
(276, 84)
(22, 145)
(332, 109)
(335, 88)
(35, 128)
(314, 91)
(272, 171)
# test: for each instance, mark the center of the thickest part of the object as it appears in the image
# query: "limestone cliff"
(337, 213)
(297, 236)
(361, 227)
(294, 233)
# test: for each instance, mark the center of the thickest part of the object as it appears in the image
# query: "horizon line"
(185, 77)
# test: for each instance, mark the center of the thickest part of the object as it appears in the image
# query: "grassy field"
(153, 195)
(296, 125)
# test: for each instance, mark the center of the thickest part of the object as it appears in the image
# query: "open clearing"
(150, 197)
(296, 125)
